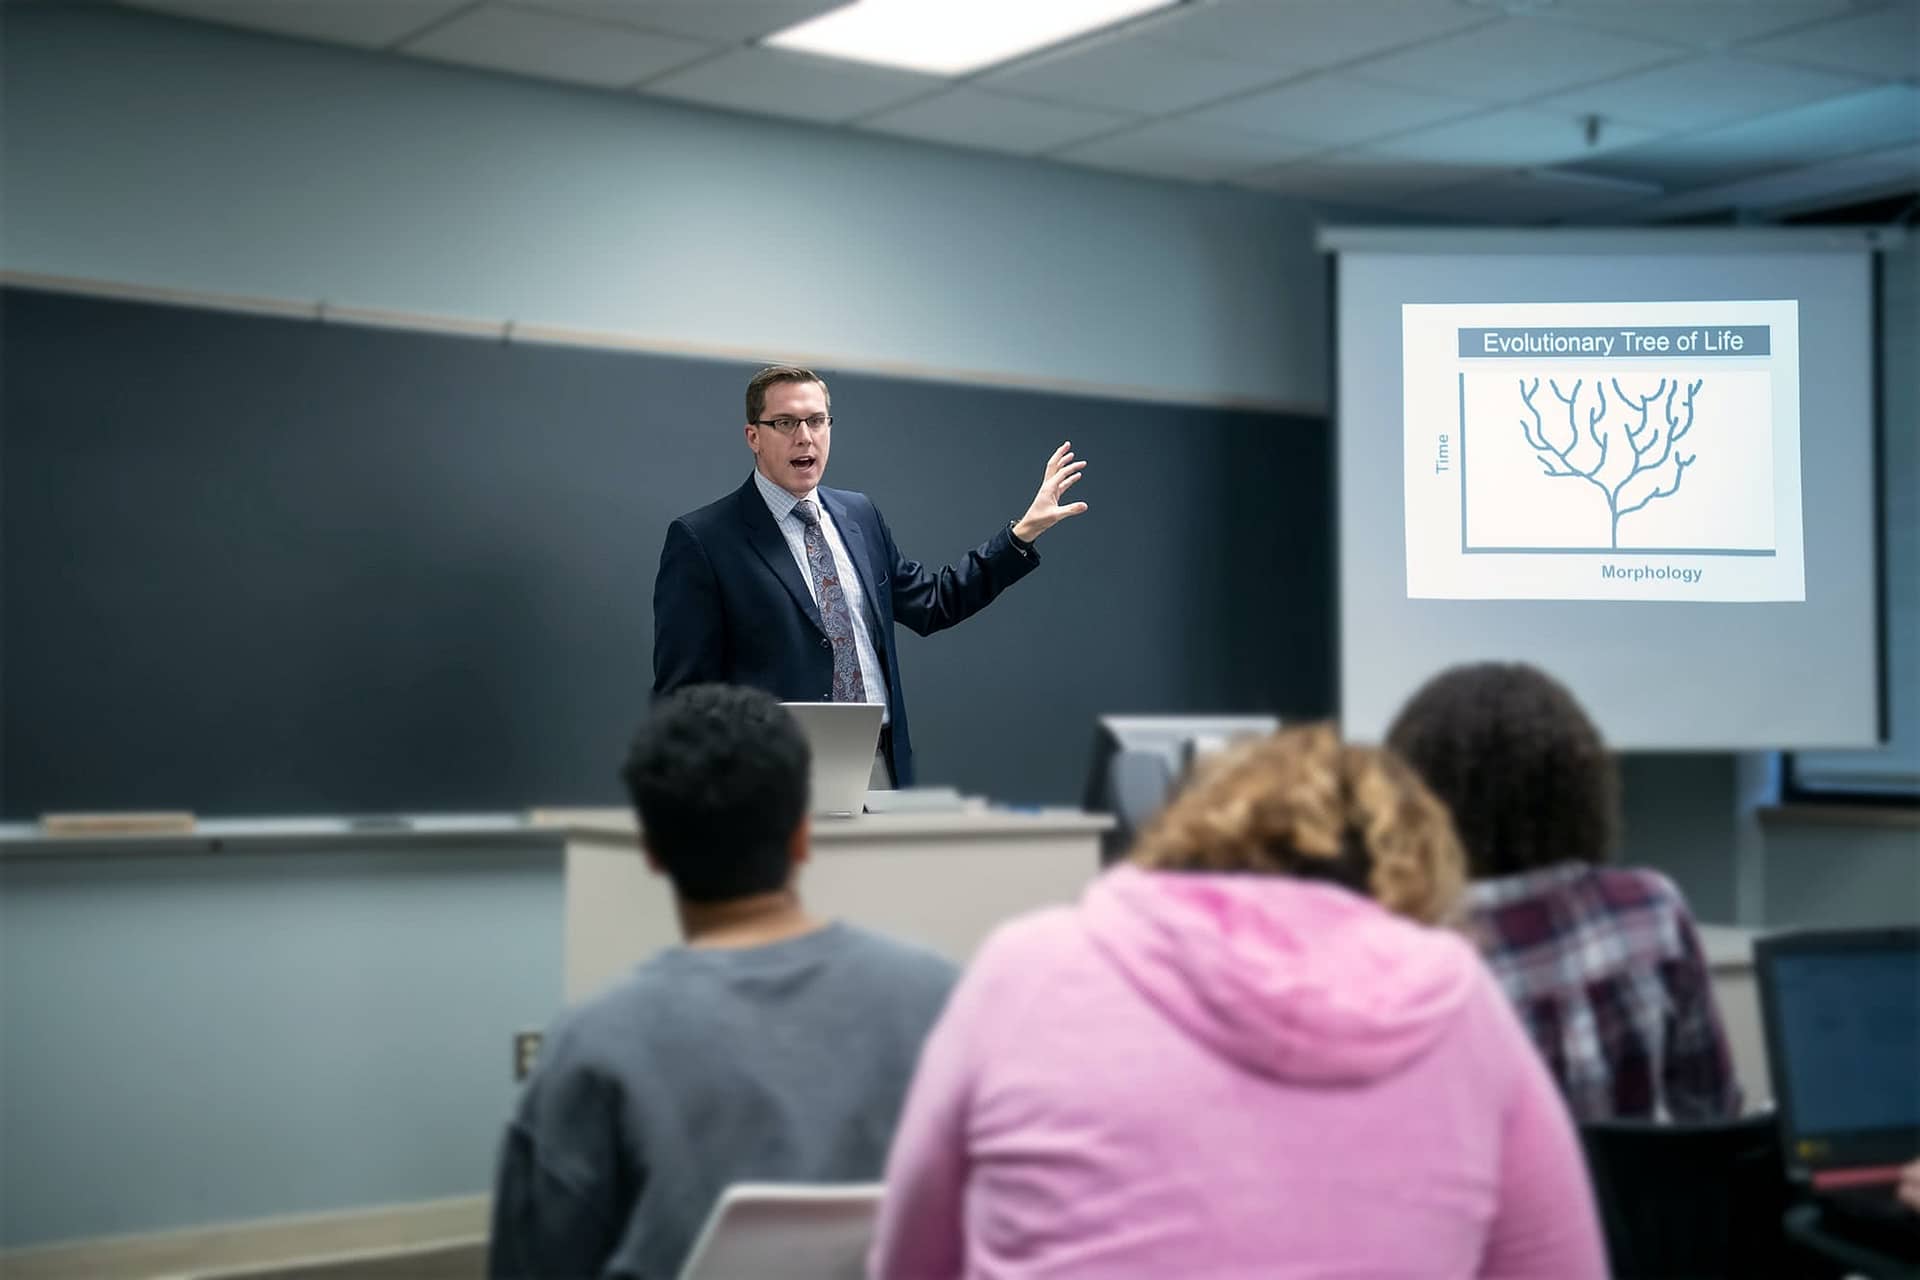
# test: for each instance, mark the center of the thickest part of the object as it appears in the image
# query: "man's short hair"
(773, 375)
(718, 776)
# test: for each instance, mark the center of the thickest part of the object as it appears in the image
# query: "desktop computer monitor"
(1138, 762)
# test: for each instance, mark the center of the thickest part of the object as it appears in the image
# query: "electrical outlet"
(526, 1050)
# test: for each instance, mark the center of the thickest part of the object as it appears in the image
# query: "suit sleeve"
(927, 600)
(689, 625)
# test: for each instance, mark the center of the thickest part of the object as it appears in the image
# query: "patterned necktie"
(847, 685)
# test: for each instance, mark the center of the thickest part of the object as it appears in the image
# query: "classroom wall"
(204, 1037)
(144, 149)
(1822, 875)
(135, 148)
(1678, 814)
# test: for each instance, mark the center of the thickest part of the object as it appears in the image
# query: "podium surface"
(939, 880)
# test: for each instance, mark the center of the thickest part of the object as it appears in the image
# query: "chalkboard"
(253, 565)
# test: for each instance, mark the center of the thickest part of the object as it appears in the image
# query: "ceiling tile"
(1307, 35)
(1362, 177)
(554, 47)
(1701, 24)
(1515, 59)
(1522, 197)
(1809, 186)
(1884, 117)
(1511, 138)
(1884, 43)
(780, 82)
(372, 24)
(1334, 110)
(977, 118)
(1130, 73)
(1183, 149)
(715, 21)
(1701, 93)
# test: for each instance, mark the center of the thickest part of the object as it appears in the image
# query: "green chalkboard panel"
(253, 565)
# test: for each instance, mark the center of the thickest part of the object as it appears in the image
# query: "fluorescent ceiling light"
(952, 37)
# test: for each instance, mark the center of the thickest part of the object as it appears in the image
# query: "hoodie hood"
(1305, 983)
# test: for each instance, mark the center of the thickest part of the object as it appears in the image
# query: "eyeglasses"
(787, 426)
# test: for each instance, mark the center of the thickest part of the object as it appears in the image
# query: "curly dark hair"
(718, 776)
(1509, 750)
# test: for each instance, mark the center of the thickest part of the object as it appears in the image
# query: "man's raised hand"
(1063, 472)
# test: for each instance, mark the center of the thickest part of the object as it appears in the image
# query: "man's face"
(795, 460)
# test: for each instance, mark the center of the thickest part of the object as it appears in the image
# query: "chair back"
(458, 1259)
(1682, 1200)
(797, 1231)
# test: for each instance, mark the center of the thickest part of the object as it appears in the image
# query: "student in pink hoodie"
(1247, 1053)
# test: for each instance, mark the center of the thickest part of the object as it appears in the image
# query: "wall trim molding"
(1840, 814)
(257, 1242)
(324, 311)
(1575, 240)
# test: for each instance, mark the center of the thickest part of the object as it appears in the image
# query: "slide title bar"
(1736, 341)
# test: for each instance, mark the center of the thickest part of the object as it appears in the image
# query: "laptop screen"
(1849, 1030)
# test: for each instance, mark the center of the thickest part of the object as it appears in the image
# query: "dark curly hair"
(718, 776)
(1510, 752)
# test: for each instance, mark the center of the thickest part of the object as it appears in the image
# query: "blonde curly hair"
(1302, 803)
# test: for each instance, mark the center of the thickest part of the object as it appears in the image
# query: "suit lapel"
(764, 536)
(855, 537)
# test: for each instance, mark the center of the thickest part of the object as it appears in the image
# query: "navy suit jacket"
(730, 606)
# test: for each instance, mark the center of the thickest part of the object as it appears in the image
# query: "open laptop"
(1842, 1013)
(842, 737)
(804, 1231)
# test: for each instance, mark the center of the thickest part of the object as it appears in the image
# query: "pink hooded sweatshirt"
(1196, 1075)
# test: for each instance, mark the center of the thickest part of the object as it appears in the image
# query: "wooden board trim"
(329, 312)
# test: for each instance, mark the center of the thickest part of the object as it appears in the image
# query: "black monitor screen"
(1176, 740)
(1850, 1031)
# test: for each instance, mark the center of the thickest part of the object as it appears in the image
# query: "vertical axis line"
(1463, 461)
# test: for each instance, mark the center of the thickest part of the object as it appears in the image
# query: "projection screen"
(1643, 461)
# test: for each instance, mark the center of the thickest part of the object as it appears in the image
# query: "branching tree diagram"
(1634, 444)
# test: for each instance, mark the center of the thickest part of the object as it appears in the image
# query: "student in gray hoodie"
(773, 1046)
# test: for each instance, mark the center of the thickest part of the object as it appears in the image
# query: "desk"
(942, 880)
(1806, 1226)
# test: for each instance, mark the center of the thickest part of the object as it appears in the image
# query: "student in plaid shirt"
(1603, 963)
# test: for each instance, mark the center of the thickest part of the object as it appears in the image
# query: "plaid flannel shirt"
(1606, 970)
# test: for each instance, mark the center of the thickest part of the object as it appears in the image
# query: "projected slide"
(1603, 451)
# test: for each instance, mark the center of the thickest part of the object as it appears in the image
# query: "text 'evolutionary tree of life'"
(1567, 451)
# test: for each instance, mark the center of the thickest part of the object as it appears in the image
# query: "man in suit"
(793, 588)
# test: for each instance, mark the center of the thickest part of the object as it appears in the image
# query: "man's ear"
(800, 843)
(653, 863)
